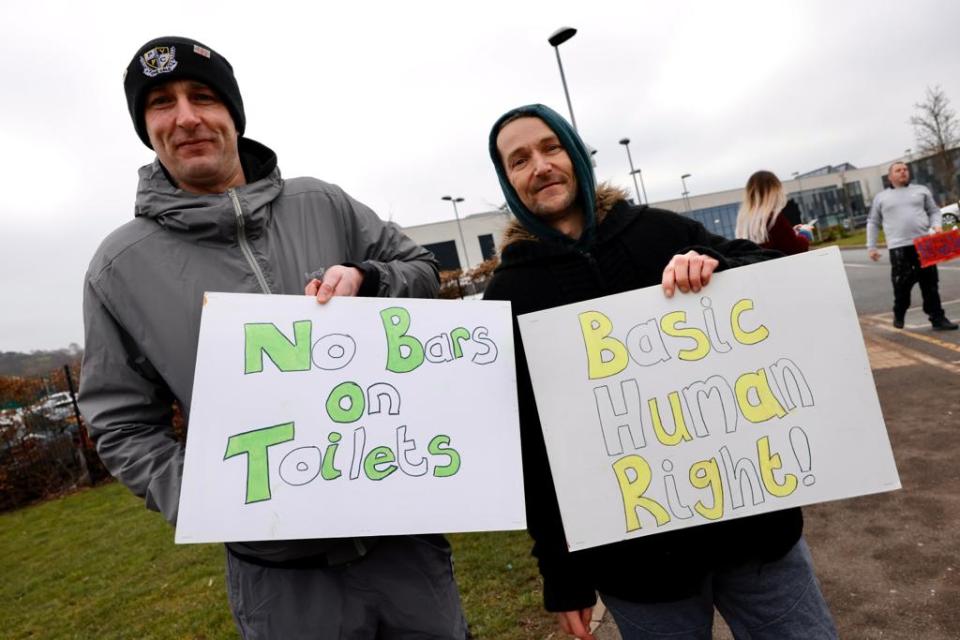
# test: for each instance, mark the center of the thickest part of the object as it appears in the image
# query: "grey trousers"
(402, 589)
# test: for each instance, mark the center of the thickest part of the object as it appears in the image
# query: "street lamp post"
(685, 193)
(635, 172)
(456, 214)
(643, 187)
(560, 36)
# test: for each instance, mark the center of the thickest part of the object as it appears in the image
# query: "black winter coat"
(632, 247)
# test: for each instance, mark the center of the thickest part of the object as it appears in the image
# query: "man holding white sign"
(213, 214)
(574, 241)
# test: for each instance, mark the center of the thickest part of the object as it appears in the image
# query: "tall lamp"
(456, 215)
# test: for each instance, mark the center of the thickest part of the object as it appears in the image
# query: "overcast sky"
(394, 101)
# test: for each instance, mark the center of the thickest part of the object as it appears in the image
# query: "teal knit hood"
(582, 168)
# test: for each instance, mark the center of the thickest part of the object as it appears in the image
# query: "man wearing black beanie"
(213, 214)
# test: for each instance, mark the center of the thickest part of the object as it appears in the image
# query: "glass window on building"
(806, 203)
(721, 220)
(929, 172)
(487, 248)
(830, 206)
(858, 208)
(446, 254)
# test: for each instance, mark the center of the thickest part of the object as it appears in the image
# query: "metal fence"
(44, 446)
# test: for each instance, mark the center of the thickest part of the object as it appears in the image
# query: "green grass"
(500, 586)
(856, 239)
(96, 564)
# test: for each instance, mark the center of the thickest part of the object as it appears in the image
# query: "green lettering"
(345, 391)
(439, 447)
(379, 456)
(264, 337)
(328, 471)
(396, 322)
(255, 444)
(456, 336)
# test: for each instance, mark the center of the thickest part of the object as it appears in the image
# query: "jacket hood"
(582, 168)
(212, 216)
(607, 196)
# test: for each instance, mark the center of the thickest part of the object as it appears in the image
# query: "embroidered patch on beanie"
(176, 58)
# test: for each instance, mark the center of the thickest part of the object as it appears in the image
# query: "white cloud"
(393, 101)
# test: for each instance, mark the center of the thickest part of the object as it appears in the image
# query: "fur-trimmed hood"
(607, 196)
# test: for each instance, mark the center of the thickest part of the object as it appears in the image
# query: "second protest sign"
(753, 395)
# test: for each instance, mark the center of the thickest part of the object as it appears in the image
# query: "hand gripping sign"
(751, 396)
(364, 416)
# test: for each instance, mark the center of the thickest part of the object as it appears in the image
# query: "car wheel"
(950, 221)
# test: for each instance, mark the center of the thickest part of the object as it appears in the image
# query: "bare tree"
(936, 130)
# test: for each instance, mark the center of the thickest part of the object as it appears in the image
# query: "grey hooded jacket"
(143, 294)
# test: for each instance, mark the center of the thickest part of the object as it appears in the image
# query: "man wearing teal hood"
(573, 240)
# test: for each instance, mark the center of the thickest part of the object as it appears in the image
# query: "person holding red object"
(907, 212)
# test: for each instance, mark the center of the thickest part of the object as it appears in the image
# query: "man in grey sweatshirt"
(906, 212)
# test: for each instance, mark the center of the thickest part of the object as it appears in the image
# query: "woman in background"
(765, 213)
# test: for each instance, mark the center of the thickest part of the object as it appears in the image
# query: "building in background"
(930, 172)
(482, 233)
(832, 195)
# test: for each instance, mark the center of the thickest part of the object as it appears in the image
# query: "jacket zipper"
(244, 245)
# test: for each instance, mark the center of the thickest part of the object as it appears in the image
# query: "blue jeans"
(780, 600)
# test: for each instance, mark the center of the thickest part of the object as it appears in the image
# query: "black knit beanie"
(175, 58)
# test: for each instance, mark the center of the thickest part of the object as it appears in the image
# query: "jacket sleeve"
(128, 410)
(730, 253)
(567, 585)
(784, 238)
(933, 211)
(393, 265)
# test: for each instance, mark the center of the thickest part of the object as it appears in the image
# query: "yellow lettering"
(680, 432)
(706, 474)
(769, 464)
(632, 491)
(668, 324)
(767, 406)
(743, 336)
(596, 329)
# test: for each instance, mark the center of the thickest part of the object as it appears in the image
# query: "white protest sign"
(663, 413)
(364, 416)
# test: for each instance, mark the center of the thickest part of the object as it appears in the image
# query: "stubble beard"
(554, 209)
(554, 212)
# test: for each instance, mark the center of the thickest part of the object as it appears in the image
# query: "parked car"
(56, 406)
(951, 216)
(11, 418)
